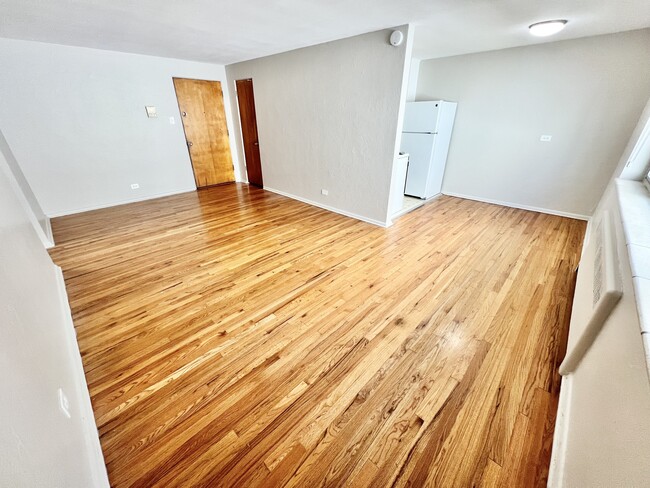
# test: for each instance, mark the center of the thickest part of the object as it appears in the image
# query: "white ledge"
(634, 205)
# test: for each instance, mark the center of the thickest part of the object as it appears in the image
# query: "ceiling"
(227, 31)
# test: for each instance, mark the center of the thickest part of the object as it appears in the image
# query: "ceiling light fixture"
(547, 28)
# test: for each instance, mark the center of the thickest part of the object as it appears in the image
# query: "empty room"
(300, 244)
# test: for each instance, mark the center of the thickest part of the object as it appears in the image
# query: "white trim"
(241, 155)
(643, 139)
(46, 240)
(122, 202)
(422, 203)
(560, 435)
(93, 446)
(404, 211)
(331, 209)
(585, 240)
(517, 205)
(48, 233)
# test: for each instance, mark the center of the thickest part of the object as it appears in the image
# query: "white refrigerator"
(426, 134)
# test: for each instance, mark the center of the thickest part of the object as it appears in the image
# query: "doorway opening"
(206, 132)
(246, 102)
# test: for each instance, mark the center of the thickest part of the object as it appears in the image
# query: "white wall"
(75, 120)
(587, 93)
(327, 118)
(39, 445)
(634, 162)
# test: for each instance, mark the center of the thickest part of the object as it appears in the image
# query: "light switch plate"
(151, 111)
(545, 138)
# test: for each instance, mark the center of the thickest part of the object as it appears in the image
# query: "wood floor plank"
(234, 337)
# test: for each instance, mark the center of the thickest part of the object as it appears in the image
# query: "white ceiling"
(227, 31)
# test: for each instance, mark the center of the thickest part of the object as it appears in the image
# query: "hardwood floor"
(234, 337)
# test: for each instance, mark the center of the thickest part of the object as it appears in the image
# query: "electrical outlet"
(172, 121)
(134, 186)
(64, 404)
(324, 192)
(545, 138)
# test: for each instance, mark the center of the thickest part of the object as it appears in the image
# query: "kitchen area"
(419, 169)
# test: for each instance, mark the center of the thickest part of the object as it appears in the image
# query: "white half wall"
(75, 120)
(327, 118)
(40, 446)
(586, 93)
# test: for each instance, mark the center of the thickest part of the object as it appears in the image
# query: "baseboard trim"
(94, 448)
(519, 206)
(117, 204)
(560, 435)
(328, 208)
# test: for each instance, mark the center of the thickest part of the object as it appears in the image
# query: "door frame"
(243, 137)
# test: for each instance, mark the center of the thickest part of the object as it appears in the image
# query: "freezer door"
(420, 148)
(421, 117)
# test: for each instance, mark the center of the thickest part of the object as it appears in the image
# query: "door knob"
(190, 143)
(256, 143)
(184, 114)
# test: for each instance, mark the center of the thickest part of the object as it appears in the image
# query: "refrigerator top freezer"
(421, 117)
(426, 135)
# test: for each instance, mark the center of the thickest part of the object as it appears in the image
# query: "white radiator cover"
(602, 255)
(602, 431)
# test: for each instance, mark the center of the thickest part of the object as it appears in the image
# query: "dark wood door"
(246, 102)
(206, 132)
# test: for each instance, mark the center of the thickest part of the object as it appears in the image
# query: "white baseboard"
(91, 435)
(327, 207)
(558, 454)
(517, 205)
(121, 202)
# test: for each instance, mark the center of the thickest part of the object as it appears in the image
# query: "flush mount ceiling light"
(547, 28)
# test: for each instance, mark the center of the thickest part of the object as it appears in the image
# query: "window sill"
(634, 205)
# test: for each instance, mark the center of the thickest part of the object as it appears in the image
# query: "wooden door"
(206, 132)
(248, 119)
